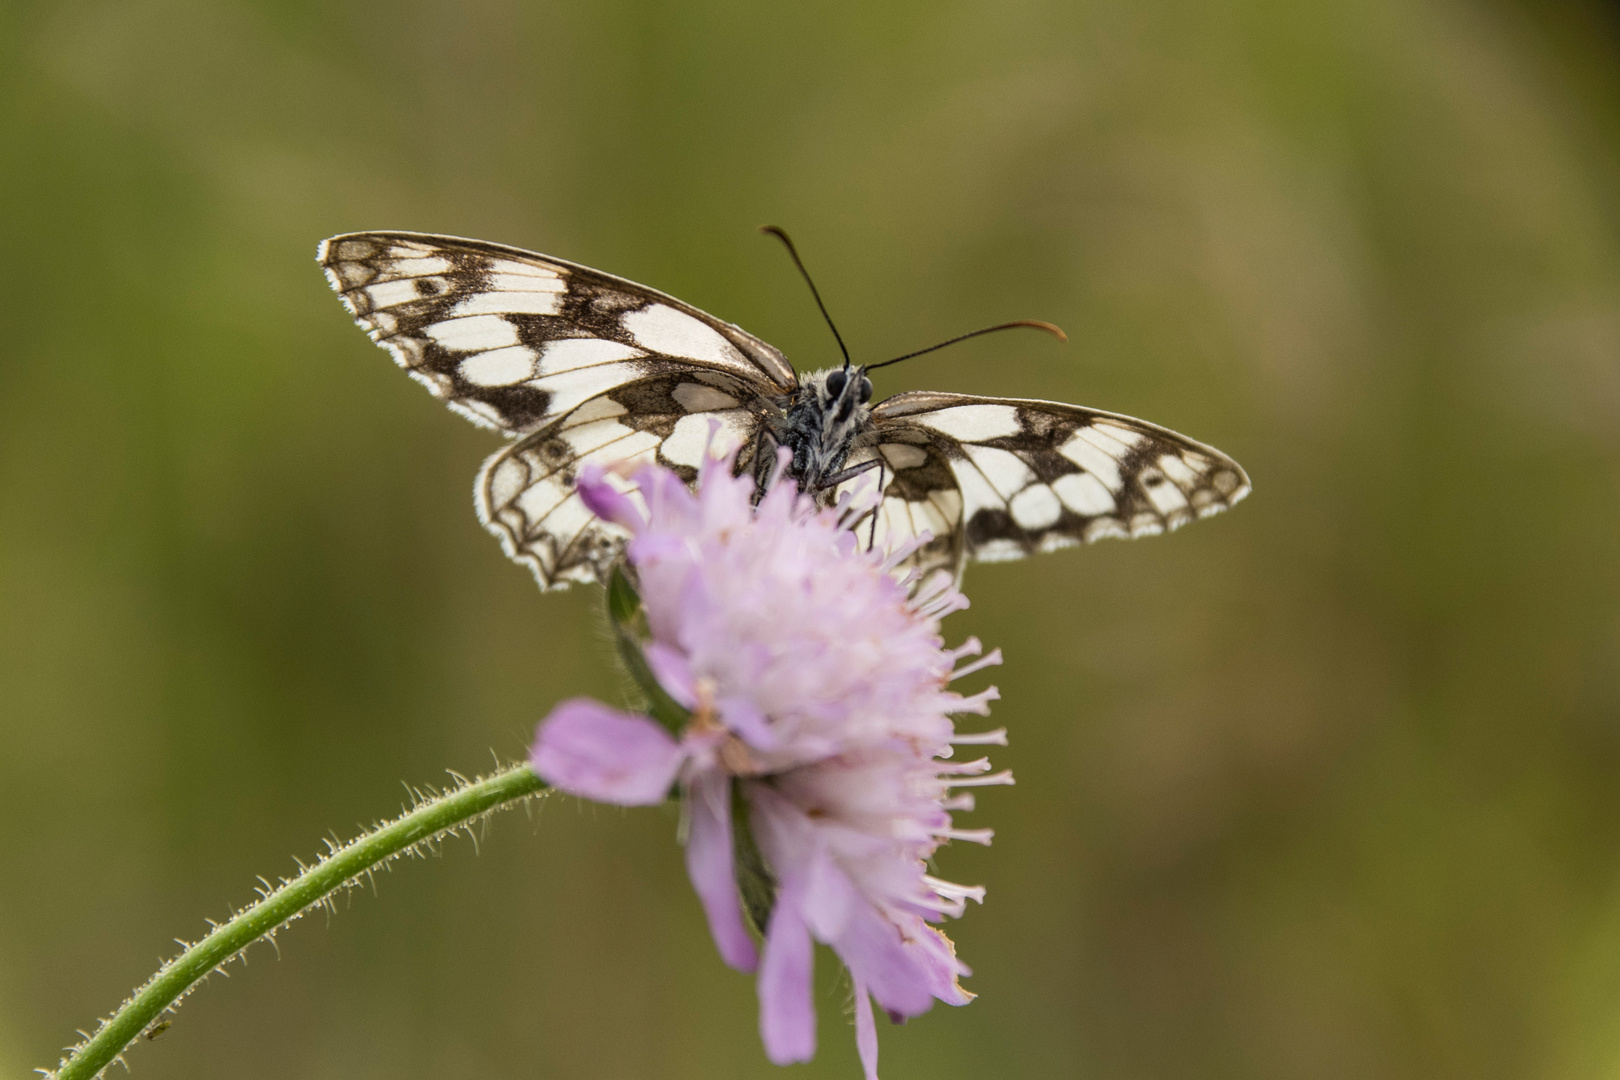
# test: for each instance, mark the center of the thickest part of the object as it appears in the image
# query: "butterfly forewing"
(1007, 478)
(514, 340)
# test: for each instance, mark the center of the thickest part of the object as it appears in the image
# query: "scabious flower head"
(818, 684)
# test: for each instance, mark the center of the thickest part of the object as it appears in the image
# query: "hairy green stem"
(431, 819)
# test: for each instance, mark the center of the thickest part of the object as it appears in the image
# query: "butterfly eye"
(866, 389)
(835, 383)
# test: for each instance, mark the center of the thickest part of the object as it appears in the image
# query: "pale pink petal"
(606, 501)
(671, 505)
(792, 847)
(588, 749)
(865, 1031)
(673, 672)
(743, 716)
(787, 1017)
(709, 865)
(902, 973)
(830, 898)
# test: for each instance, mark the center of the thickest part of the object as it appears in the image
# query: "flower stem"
(432, 819)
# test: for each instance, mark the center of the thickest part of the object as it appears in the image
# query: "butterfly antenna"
(793, 251)
(1034, 324)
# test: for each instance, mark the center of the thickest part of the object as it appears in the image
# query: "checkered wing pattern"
(1000, 478)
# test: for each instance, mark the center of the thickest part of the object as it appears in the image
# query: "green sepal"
(755, 882)
(630, 634)
(624, 603)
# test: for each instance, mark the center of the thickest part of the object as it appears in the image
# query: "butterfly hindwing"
(920, 496)
(1010, 477)
(526, 492)
(513, 340)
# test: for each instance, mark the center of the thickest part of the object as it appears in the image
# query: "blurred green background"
(1325, 788)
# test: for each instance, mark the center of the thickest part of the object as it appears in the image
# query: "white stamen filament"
(904, 552)
(978, 703)
(953, 908)
(1005, 776)
(963, 768)
(990, 660)
(998, 737)
(938, 609)
(935, 588)
(972, 836)
(952, 889)
(971, 647)
(907, 579)
(963, 802)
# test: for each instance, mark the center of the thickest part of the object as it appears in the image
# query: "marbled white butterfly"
(574, 365)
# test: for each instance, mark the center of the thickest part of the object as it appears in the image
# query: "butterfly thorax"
(821, 423)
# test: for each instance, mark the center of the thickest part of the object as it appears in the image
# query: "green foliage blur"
(1327, 787)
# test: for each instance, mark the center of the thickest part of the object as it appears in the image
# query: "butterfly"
(573, 366)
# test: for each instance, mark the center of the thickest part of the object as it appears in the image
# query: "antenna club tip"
(1051, 328)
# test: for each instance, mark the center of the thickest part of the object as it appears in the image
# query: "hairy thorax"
(820, 425)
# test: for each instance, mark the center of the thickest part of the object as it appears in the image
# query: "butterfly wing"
(1003, 478)
(526, 492)
(513, 340)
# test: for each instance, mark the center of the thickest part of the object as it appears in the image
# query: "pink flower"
(817, 682)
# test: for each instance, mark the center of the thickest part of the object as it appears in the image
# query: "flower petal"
(865, 1031)
(673, 672)
(606, 501)
(795, 852)
(709, 865)
(904, 972)
(669, 501)
(787, 1017)
(588, 749)
(745, 718)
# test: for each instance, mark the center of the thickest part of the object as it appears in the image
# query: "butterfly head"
(837, 400)
(841, 391)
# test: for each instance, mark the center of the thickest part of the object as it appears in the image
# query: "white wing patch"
(505, 300)
(903, 455)
(695, 397)
(1084, 494)
(474, 333)
(976, 423)
(1086, 448)
(499, 367)
(571, 354)
(1036, 507)
(660, 328)
(699, 433)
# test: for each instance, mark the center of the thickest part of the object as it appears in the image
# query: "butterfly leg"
(851, 473)
(871, 539)
(764, 463)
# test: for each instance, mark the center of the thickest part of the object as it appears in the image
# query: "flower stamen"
(997, 737)
(1003, 777)
(990, 660)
